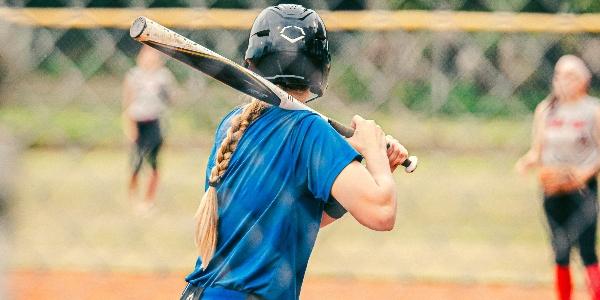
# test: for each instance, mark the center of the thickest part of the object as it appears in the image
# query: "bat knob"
(414, 161)
(138, 27)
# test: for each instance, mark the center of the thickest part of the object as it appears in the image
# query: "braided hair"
(206, 216)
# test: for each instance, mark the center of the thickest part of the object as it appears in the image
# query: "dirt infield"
(102, 286)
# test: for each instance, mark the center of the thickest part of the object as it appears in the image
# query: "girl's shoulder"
(133, 72)
(592, 101)
(592, 106)
(545, 107)
(301, 119)
(296, 117)
(544, 104)
(166, 74)
(298, 121)
(224, 123)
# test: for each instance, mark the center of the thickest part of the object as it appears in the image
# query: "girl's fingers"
(394, 157)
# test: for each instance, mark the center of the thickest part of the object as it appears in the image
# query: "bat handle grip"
(410, 164)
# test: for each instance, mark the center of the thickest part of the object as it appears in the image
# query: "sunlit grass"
(460, 217)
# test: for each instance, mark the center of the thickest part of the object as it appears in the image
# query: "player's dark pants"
(147, 145)
(572, 220)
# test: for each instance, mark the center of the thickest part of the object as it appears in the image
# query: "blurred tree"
(43, 3)
(230, 4)
(347, 5)
(3, 74)
(108, 3)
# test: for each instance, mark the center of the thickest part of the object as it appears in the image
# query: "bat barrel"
(138, 27)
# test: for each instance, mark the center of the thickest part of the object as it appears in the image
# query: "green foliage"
(585, 6)
(414, 95)
(532, 97)
(466, 99)
(69, 125)
(51, 65)
(354, 86)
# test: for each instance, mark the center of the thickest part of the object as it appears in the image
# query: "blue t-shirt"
(270, 202)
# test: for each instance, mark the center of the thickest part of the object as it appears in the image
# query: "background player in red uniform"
(566, 136)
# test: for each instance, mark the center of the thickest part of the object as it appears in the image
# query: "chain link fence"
(487, 75)
(461, 100)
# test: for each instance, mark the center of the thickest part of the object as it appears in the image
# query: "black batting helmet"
(288, 46)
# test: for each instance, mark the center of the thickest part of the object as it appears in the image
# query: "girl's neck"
(572, 99)
(149, 68)
(300, 95)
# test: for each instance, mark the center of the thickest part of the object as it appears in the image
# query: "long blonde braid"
(206, 215)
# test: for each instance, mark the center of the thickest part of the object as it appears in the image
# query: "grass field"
(465, 221)
(461, 217)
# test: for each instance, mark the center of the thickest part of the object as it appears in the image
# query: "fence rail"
(365, 20)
